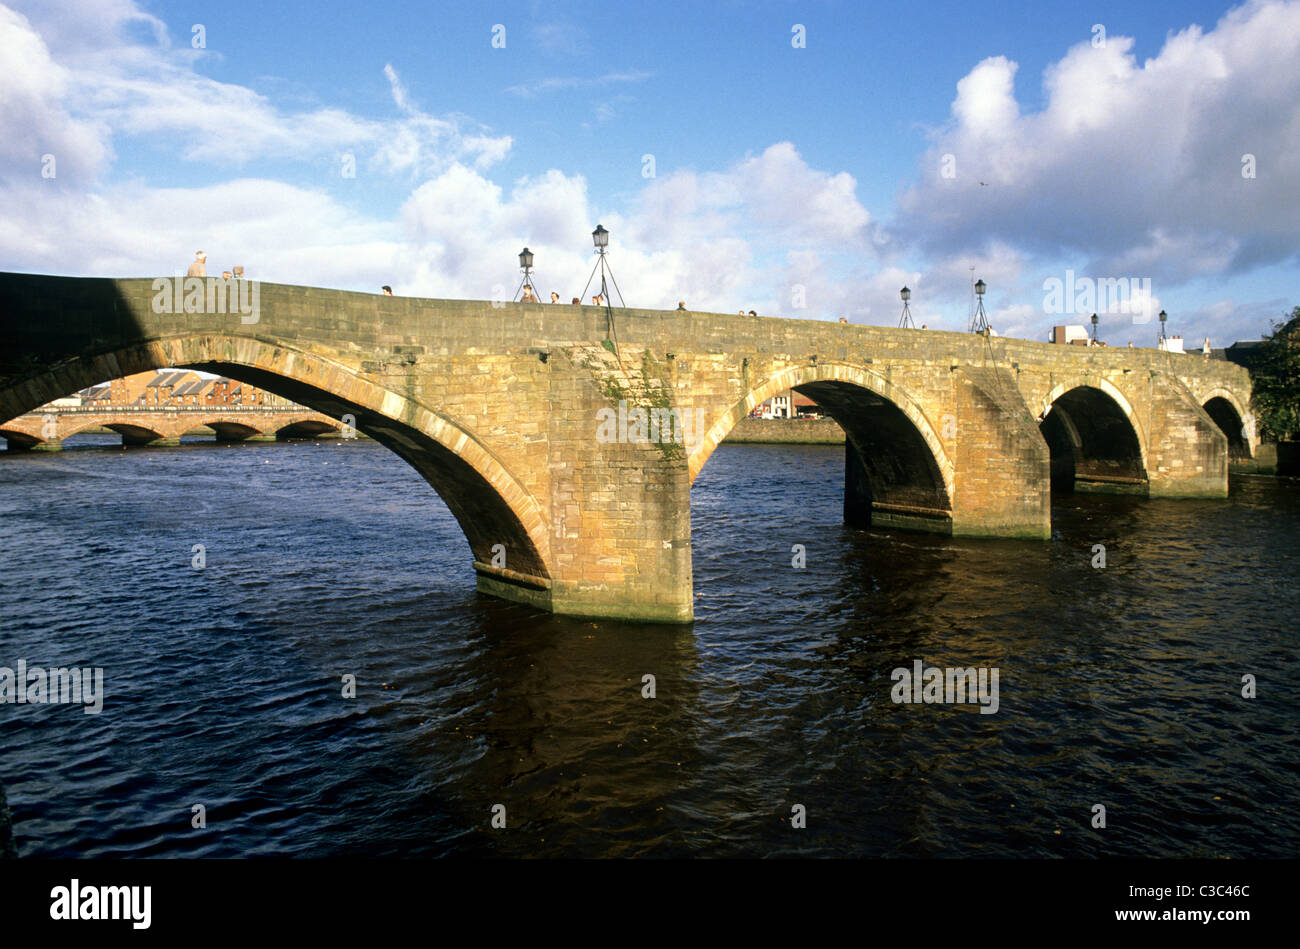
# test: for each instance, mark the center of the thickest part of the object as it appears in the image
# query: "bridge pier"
(619, 550)
(1003, 467)
(1187, 451)
(618, 492)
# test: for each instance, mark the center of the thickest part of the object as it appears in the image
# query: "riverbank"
(1264, 462)
(784, 431)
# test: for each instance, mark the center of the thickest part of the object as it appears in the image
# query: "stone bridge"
(46, 428)
(543, 427)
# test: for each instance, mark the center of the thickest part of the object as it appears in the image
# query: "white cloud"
(34, 121)
(561, 39)
(1137, 167)
(277, 231)
(1226, 321)
(535, 87)
(1078, 177)
(76, 87)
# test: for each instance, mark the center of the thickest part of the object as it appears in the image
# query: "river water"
(1119, 686)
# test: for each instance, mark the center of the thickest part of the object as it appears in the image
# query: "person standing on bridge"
(200, 266)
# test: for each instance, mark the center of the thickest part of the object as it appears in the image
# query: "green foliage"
(658, 394)
(649, 391)
(1276, 380)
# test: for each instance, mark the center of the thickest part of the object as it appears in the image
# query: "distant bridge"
(47, 428)
(506, 409)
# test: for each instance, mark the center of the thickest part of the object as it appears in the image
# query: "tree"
(1276, 380)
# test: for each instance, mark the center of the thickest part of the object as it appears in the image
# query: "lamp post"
(526, 265)
(905, 321)
(1160, 340)
(980, 323)
(600, 237)
(1094, 329)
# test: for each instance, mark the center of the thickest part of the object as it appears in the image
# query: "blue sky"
(805, 182)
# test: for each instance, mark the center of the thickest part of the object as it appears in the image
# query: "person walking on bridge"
(200, 266)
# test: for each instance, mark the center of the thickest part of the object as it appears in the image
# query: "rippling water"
(1118, 686)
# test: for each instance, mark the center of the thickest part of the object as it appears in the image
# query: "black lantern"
(525, 289)
(600, 237)
(1094, 327)
(980, 322)
(905, 321)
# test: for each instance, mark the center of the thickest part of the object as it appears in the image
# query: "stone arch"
(18, 437)
(1094, 437)
(133, 434)
(897, 469)
(491, 506)
(305, 428)
(1237, 426)
(1108, 387)
(1218, 392)
(230, 429)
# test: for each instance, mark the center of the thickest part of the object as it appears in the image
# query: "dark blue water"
(1118, 686)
